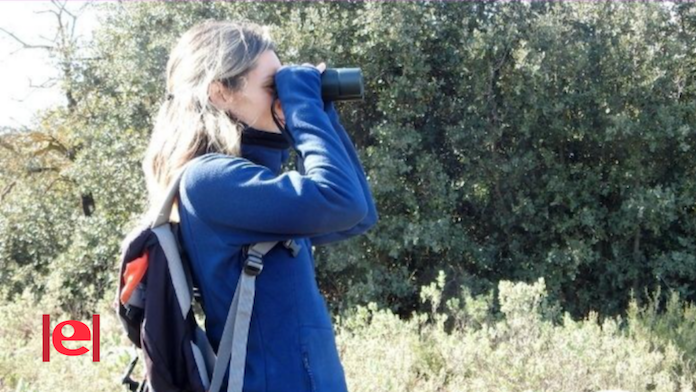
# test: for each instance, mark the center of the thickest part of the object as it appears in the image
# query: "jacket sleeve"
(233, 192)
(372, 216)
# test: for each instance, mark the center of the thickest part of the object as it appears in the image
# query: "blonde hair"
(187, 124)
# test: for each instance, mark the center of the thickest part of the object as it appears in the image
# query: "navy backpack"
(154, 304)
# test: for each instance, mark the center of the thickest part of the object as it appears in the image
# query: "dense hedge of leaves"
(502, 141)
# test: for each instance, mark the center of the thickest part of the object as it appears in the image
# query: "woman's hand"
(290, 74)
(321, 67)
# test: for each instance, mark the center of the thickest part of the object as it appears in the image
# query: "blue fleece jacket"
(227, 202)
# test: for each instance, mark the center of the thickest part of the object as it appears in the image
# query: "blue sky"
(22, 68)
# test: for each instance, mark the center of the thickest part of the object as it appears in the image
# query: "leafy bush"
(21, 365)
(503, 141)
(519, 348)
(660, 322)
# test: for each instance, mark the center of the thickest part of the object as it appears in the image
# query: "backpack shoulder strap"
(165, 209)
(176, 270)
(233, 344)
(163, 229)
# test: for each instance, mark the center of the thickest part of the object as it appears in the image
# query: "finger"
(321, 67)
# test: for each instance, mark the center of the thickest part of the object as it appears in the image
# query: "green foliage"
(503, 141)
(666, 321)
(21, 366)
(517, 350)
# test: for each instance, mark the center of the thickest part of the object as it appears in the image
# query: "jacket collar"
(265, 148)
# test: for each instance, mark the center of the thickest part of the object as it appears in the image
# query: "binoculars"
(337, 84)
(342, 84)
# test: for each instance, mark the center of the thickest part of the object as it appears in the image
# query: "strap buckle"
(126, 379)
(253, 265)
(293, 246)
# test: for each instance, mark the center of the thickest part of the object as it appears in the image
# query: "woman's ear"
(219, 96)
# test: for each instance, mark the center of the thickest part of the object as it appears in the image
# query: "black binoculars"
(342, 84)
(337, 84)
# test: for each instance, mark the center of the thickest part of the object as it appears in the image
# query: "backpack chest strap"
(261, 248)
(293, 246)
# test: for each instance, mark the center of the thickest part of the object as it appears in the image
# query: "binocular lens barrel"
(342, 84)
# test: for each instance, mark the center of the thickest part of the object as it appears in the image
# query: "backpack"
(154, 305)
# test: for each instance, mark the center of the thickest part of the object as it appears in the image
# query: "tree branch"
(42, 169)
(45, 84)
(26, 45)
(7, 190)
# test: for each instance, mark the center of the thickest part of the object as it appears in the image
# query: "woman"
(221, 78)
